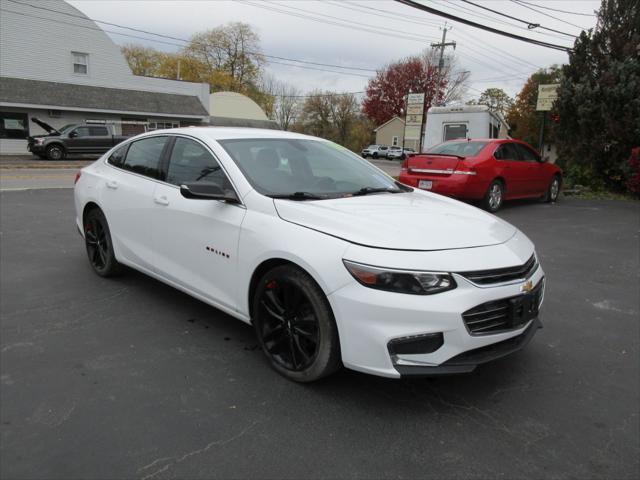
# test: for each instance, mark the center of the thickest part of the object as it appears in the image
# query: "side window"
(98, 131)
(526, 153)
(117, 157)
(507, 151)
(143, 156)
(82, 131)
(191, 162)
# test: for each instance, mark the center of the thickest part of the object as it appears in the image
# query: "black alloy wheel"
(294, 325)
(99, 246)
(55, 152)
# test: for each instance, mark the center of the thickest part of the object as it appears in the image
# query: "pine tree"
(599, 98)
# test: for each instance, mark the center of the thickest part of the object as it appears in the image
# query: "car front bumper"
(368, 320)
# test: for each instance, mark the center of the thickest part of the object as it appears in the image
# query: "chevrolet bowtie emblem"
(527, 286)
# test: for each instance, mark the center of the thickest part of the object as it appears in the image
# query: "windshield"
(67, 127)
(463, 149)
(282, 167)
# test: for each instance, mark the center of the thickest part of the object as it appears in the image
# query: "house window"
(162, 125)
(80, 63)
(394, 141)
(13, 125)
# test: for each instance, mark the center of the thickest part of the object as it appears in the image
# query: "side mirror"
(208, 191)
(73, 134)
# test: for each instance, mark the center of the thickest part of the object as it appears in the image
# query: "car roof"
(228, 133)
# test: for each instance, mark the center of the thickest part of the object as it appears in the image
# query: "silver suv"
(375, 151)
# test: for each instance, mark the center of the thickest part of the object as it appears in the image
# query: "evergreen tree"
(599, 98)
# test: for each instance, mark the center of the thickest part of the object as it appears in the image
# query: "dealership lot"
(130, 378)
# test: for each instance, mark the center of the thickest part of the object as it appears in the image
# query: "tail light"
(77, 177)
(463, 169)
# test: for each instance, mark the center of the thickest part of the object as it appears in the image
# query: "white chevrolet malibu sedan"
(331, 260)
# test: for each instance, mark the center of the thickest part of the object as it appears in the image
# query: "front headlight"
(401, 281)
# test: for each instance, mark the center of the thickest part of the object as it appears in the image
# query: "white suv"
(375, 151)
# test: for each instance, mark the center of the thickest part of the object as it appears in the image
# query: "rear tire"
(56, 152)
(99, 245)
(494, 197)
(553, 190)
(295, 325)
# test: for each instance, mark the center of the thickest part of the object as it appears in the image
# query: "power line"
(440, 13)
(405, 19)
(171, 37)
(467, 10)
(544, 7)
(546, 14)
(348, 24)
(530, 25)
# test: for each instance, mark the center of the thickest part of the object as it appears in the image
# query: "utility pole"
(442, 45)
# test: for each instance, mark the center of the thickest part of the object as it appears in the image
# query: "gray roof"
(36, 92)
(243, 122)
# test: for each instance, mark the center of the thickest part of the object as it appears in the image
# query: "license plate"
(523, 308)
(425, 184)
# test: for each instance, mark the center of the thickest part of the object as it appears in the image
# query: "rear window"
(464, 149)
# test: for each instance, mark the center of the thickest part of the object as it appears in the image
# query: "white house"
(61, 67)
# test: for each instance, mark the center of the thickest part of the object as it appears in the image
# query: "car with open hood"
(94, 138)
(332, 262)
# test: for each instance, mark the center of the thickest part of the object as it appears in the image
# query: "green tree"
(142, 60)
(233, 49)
(599, 98)
(496, 99)
(336, 117)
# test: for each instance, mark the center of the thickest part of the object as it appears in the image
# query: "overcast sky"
(368, 34)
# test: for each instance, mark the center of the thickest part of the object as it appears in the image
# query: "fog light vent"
(416, 344)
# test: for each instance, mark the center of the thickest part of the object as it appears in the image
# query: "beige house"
(392, 133)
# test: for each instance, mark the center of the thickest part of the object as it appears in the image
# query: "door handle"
(112, 184)
(162, 200)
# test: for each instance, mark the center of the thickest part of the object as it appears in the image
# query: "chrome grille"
(497, 315)
(502, 275)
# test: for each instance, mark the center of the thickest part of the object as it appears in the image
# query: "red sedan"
(489, 170)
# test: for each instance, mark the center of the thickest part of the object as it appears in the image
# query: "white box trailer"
(468, 121)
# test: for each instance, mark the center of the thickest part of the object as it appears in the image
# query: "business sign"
(413, 119)
(547, 94)
(415, 98)
(412, 132)
(415, 108)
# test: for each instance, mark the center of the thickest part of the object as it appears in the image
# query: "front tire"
(55, 152)
(494, 197)
(295, 325)
(99, 245)
(375, 155)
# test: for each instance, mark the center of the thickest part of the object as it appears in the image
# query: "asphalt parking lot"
(129, 378)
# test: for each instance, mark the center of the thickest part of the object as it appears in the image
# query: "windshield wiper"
(368, 190)
(298, 196)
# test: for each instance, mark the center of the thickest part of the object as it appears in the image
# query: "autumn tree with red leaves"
(386, 92)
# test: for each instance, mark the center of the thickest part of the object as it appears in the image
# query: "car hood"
(402, 221)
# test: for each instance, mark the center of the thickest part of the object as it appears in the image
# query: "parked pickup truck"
(85, 139)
